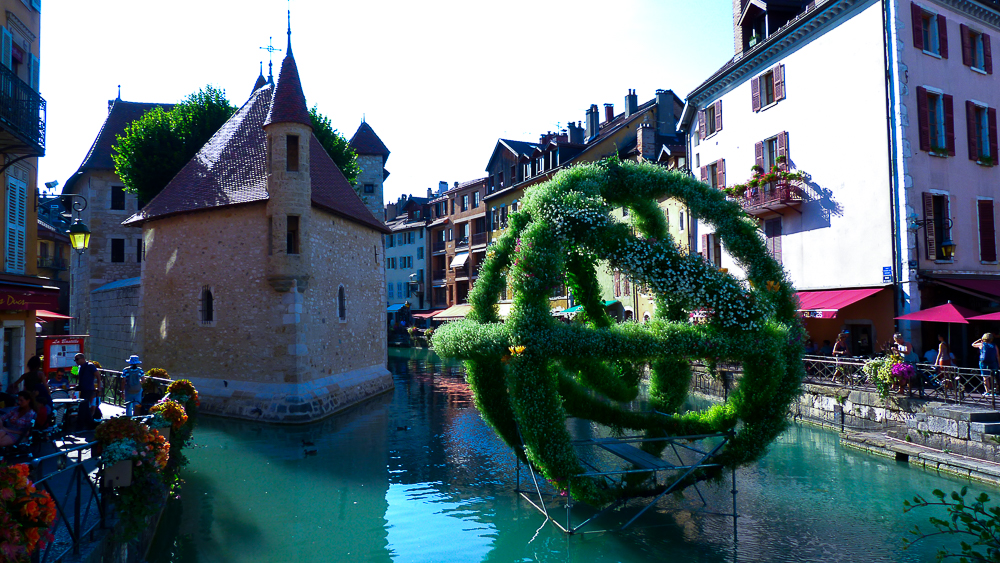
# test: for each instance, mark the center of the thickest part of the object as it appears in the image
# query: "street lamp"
(79, 232)
(947, 245)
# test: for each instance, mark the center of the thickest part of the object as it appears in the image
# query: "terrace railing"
(70, 477)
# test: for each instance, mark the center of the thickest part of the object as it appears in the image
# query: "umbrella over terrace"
(987, 317)
(946, 313)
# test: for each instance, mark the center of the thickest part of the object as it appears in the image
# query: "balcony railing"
(22, 112)
(462, 243)
(757, 201)
(438, 275)
(462, 272)
(51, 263)
(478, 239)
(438, 246)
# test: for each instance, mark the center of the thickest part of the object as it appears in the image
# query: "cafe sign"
(29, 299)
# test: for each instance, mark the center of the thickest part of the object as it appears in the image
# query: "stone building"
(263, 278)
(116, 251)
(372, 154)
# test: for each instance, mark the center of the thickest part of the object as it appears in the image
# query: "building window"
(935, 116)
(987, 231)
(409, 237)
(710, 119)
(118, 198)
(936, 213)
(930, 31)
(140, 250)
(369, 188)
(981, 125)
(420, 253)
(292, 154)
(292, 238)
(389, 286)
(513, 206)
(390, 241)
(768, 88)
(713, 175)
(450, 233)
(17, 200)
(207, 309)
(465, 202)
(475, 200)
(399, 289)
(680, 223)
(936, 122)
(342, 304)
(503, 216)
(772, 236)
(117, 250)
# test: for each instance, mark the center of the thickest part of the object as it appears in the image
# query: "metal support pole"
(735, 529)
(76, 510)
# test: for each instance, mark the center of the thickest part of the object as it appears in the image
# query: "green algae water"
(416, 476)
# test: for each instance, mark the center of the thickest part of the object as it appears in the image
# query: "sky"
(438, 80)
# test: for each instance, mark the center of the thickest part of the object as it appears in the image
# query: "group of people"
(33, 404)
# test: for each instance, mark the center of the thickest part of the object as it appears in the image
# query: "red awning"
(42, 313)
(986, 317)
(25, 299)
(989, 287)
(825, 304)
(426, 314)
(946, 313)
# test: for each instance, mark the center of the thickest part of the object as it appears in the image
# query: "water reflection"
(415, 475)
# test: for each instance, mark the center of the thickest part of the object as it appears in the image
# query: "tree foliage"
(978, 523)
(156, 146)
(336, 145)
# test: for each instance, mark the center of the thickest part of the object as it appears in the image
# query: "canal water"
(415, 475)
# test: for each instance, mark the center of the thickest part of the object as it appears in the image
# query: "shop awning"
(25, 297)
(989, 287)
(43, 314)
(459, 260)
(454, 312)
(395, 308)
(427, 314)
(825, 304)
(986, 317)
(946, 313)
(572, 310)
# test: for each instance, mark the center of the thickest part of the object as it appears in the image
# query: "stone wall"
(116, 325)
(372, 172)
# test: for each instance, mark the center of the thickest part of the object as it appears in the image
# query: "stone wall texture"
(372, 172)
(116, 326)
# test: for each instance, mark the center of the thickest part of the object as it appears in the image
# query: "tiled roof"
(129, 282)
(260, 82)
(365, 141)
(289, 103)
(520, 147)
(231, 169)
(120, 115)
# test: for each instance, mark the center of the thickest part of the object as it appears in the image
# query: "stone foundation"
(291, 403)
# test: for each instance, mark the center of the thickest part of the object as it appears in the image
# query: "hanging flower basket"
(118, 474)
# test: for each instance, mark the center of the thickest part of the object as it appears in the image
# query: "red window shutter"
(721, 168)
(626, 286)
(718, 115)
(701, 124)
(704, 247)
(779, 82)
(758, 154)
(618, 283)
(966, 44)
(917, 21)
(991, 117)
(704, 174)
(949, 123)
(970, 126)
(943, 36)
(930, 234)
(755, 93)
(783, 144)
(923, 119)
(987, 232)
(987, 55)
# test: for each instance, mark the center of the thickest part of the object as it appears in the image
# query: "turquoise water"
(415, 475)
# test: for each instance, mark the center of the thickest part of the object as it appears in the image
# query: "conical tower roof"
(289, 103)
(260, 80)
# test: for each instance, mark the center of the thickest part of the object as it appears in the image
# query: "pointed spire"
(260, 79)
(289, 103)
(289, 27)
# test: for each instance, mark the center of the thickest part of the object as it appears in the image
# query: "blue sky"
(440, 81)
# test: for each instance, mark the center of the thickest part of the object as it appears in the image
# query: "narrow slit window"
(292, 156)
(207, 305)
(342, 304)
(293, 235)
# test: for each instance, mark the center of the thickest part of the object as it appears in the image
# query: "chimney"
(442, 187)
(609, 112)
(428, 193)
(575, 133)
(646, 140)
(631, 103)
(592, 123)
(666, 121)
(456, 185)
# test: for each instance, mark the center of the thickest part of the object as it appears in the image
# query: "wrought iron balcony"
(438, 275)
(438, 246)
(22, 116)
(51, 262)
(767, 199)
(462, 243)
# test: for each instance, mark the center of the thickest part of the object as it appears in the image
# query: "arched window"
(342, 304)
(207, 306)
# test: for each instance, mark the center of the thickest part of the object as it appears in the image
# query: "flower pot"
(118, 474)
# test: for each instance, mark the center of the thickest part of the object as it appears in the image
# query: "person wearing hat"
(132, 383)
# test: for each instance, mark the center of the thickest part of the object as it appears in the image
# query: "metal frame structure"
(640, 462)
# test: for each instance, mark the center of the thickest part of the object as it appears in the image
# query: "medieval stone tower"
(372, 154)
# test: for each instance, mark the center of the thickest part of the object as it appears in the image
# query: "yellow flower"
(516, 350)
(773, 286)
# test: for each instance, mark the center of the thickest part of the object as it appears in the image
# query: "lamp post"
(79, 233)
(947, 245)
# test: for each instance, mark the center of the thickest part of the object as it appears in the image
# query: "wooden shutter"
(758, 154)
(704, 174)
(721, 173)
(701, 124)
(15, 231)
(755, 93)
(987, 232)
(923, 119)
(718, 116)
(987, 55)
(949, 123)
(963, 30)
(779, 82)
(930, 229)
(772, 234)
(783, 144)
(618, 283)
(6, 44)
(970, 126)
(942, 36)
(991, 118)
(917, 21)
(33, 72)
(704, 247)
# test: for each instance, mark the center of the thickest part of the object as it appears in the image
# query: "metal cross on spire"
(271, 49)
(289, 27)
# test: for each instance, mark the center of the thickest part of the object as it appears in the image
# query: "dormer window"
(292, 154)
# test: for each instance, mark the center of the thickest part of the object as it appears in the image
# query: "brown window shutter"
(923, 119)
(704, 174)
(943, 36)
(987, 55)
(718, 115)
(991, 117)
(779, 82)
(783, 145)
(758, 154)
(755, 93)
(618, 283)
(701, 124)
(949, 123)
(917, 21)
(721, 167)
(970, 126)
(987, 232)
(966, 44)
(930, 234)
(704, 247)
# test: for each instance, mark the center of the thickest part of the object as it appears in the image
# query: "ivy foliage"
(532, 372)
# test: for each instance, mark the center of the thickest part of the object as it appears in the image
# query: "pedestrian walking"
(88, 379)
(989, 360)
(132, 383)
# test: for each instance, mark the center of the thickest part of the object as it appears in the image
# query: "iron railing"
(80, 509)
(762, 198)
(478, 239)
(22, 110)
(438, 246)
(52, 263)
(438, 275)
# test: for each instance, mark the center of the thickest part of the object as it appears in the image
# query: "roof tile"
(365, 141)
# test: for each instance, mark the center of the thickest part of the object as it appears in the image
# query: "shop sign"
(29, 300)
